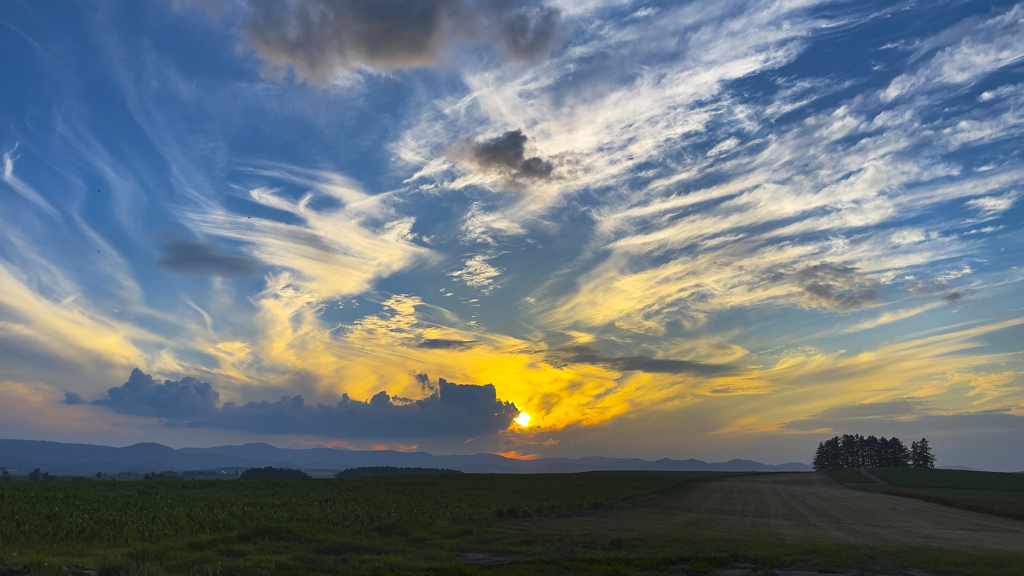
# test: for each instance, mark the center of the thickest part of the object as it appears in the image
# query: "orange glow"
(397, 447)
(517, 456)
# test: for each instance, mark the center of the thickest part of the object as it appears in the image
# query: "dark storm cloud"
(506, 154)
(830, 286)
(588, 355)
(205, 260)
(450, 410)
(318, 38)
(444, 344)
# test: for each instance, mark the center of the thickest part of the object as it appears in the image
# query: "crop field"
(994, 493)
(592, 523)
(962, 479)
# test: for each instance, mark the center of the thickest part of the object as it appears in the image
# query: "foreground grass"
(595, 523)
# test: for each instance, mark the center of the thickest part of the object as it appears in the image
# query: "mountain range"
(22, 456)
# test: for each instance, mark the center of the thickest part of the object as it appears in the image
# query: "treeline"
(856, 451)
(271, 473)
(367, 471)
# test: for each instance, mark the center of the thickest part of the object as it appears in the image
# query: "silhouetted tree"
(5, 476)
(35, 475)
(921, 454)
(856, 451)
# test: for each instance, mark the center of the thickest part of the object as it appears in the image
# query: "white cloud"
(477, 272)
(991, 206)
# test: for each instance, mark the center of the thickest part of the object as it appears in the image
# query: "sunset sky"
(661, 229)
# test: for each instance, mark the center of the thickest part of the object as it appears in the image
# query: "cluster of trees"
(367, 471)
(271, 473)
(856, 451)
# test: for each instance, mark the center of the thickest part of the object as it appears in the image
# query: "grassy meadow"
(590, 523)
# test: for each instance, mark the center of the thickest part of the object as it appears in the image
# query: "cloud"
(477, 272)
(449, 410)
(832, 287)
(588, 355)
(19, 185)
(851, 415)
(205, 260)
(319, 39)
(141, 395)
(896, 316)
(446, 344)
(73, 399)
(989, 207)
(505, 155)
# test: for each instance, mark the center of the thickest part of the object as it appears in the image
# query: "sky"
(553, 228)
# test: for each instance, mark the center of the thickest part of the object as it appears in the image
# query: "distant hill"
(22, 456)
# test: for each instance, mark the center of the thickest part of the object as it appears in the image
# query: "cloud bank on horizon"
(660, 228)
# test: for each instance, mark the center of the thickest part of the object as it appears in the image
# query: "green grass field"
(963, 479)
(592, 523)
(995, 493)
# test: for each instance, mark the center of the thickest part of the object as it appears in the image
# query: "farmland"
(995, 493)
(592, 523)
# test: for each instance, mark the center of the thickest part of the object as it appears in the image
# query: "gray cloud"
(830, 286)
(143, 396)
(953, 298)
(319, 38)
(506, 155)
(72, 399)
(588, 355)
(445, 344)
(842, 417)
(205, 260)
(450, 410)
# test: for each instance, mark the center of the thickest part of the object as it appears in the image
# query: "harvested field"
(809, 507)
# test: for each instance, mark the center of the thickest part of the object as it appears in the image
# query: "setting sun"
(523, 419)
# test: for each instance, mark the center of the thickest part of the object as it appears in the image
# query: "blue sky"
(678, 229)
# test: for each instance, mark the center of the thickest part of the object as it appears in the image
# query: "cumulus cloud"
(205, 260)
(142, 395)
(318, 39)
(588, 355)
(449, 410)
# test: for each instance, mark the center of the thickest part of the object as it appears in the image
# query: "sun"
(523, 419)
